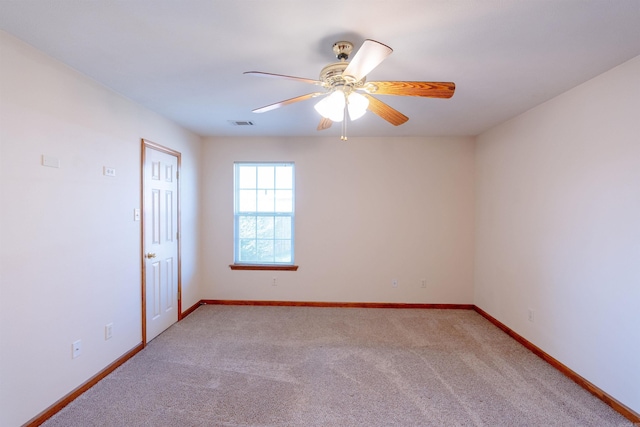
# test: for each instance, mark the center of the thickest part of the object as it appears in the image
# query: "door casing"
(146, 144)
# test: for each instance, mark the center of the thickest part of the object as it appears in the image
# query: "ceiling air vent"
(241, 122)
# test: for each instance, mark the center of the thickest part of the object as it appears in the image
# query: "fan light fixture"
(333, 106)
(343, 79)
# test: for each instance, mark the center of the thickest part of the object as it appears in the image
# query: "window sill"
(263, 267)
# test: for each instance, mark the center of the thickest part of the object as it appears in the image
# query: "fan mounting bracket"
(342, 50)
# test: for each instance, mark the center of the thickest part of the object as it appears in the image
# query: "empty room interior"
(493, 172)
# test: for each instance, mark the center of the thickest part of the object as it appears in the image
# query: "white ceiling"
(185, 59)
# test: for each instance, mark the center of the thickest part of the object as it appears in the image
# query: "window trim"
(266, 267)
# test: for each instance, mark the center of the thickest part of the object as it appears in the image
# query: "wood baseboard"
(189, 310)
(56, 407)
(338, 304)
(600, 394)
(591, 388)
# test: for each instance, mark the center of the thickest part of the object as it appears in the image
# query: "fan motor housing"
(331, 75)
(332, 71)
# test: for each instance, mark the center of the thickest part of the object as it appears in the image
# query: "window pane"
(283, 227)
(265, 251)
(247, 201)
(284, 177)
(248, 250)
(284, 201)
(265, 228)
(265, 177)
(283, 250)
(247, 227)
(247, 177)
(266, 201)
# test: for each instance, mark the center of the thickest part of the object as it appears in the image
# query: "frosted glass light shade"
(357, 105)
(332, 106)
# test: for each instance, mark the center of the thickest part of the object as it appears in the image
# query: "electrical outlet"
(275, 282)
(531, 315)
(108, 331)
(394, 283)
(423, 284)
(76, 349)
(106, 171)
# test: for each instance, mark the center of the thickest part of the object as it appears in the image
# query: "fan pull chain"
(344, 125)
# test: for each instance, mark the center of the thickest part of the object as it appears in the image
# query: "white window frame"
(237, 214)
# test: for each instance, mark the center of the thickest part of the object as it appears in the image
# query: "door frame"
(145, 143)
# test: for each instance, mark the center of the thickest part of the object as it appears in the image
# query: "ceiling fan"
(347, 92)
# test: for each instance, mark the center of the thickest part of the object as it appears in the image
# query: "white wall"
(368, 210)
(69, 248)
(558, 228)
(557, 203)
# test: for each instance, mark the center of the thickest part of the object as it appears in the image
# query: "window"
(263, 214)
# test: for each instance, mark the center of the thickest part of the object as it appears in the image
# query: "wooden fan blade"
(287, 102)
(425, 89)
(324, 123)
(282, 76)
(391, 115)
(368, 57)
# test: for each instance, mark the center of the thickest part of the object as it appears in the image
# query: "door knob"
(150, 255)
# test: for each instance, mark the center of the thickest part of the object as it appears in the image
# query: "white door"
(160, 239)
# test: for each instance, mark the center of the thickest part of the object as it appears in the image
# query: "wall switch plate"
(52, 162)
(531, 316)
(76, 349)
(394, 283)
(108, 331)
(136, 214)
(108, 171)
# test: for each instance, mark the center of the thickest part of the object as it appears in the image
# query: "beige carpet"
(305, 366)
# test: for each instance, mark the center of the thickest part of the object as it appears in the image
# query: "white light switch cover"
(52, 162)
